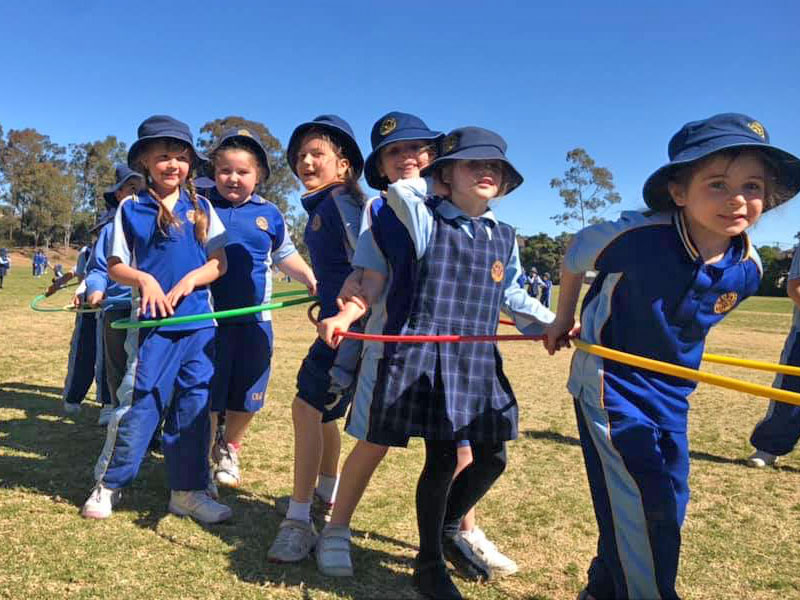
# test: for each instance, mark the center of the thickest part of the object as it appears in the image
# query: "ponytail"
(200, 216)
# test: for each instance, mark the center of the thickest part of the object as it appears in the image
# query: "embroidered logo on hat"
(498, 271)
(388, 126)
(316, 223)
(262, 223)
(758, 129)
(449, 143)
(190, 215)
(725, 302)
(244, 132)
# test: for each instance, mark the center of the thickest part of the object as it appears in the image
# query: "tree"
(775, 264)
(281, 181)
(92, 165)
(586, 189)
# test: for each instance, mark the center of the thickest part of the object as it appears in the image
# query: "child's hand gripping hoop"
(223, 314)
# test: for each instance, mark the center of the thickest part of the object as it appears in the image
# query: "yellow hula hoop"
(686, 373)
(759, 365)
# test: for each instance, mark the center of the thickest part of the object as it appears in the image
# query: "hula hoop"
(35, 305)
(223, 314)
(686, 373)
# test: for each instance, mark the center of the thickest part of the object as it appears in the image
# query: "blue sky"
(616, 78)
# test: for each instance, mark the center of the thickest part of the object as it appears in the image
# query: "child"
(664, 278)
(547, 287)
(777, 433)
(5, 265)
(453, 267)
(324, 155)
(257, 239)
(166, 238)
(117, 297)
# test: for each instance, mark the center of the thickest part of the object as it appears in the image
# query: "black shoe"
(466, 563)
(432, 581)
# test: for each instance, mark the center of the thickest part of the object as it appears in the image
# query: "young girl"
(324, 155)
(257, 239)
(166, 238)
(664, 278)
(5, 265)
(453, 268)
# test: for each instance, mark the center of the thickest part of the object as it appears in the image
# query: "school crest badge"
(190, 216)
(262, 223)
(758, 129)
(316, 223)
(449, 143)
(244, 132)
(498, 271)
(388, 126)
(725, 302)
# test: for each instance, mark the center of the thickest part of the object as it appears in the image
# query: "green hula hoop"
(223, 314)
(35, 305)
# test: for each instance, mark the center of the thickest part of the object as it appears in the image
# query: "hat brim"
(480, 153)
(137, 146)
(349, 146)
(371, 171)
(656, 189)
(253, 145)
(104, 220)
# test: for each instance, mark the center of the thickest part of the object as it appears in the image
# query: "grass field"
(741, 538)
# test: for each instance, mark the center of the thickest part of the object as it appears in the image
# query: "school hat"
(390, 128)
(163, 126)
(122, 174)
(251, 139)
(698, 139)
(104, 219)
(339, 129)
(204, 183)
(475, 143)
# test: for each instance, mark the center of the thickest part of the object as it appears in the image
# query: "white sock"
(299, 511)
(326, 487)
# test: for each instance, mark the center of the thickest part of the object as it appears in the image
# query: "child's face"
(168, 165)
(236, 174)
(724, 197)
(129, 187)
(476, 180)
(318, 165)
(404, 160)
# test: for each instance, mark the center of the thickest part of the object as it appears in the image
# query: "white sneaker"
(760, 459)
(71, 408)
(106, 412)
(295, 540)
(198, 505)
(100, 503)
(500, 564)
(333, 552)
(227, 464)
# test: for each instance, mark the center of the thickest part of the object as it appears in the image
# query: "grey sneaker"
(499, 564)
(333, 552)
(321, 511)
(294, 542)
(227, 464)
(760, 459)
(198, 505)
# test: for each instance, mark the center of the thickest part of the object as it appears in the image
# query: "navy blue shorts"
(314, 382)
(241, 367)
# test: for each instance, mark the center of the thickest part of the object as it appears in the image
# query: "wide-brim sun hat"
(698, 139)
(251, 140)
(106, 218)
(337, 128)
(390, 128)
(475, 143)
(122, 174)
(165, 127)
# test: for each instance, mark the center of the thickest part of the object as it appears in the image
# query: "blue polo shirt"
(117, 296)
(334, 218)
(257, 239)
(655, 297)
(139, 243)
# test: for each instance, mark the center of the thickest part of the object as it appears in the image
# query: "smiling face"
(723, 197)
(168, 163)
(236, 174)
(318, 164)
(404, 160)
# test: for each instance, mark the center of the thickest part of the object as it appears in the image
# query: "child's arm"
(372, 284)
(214, 268)
(793, 290)
(564, 326)
(350, 288)
(294, 266)
(407, 200)
(529, 314)
(59, 282)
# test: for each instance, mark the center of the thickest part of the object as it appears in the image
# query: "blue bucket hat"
(122, 174)
(699, 139)
(339, 129)
(251, 139)
(106, 218)
(204, 183)
(475, 143)
(163, 126)
(390, 128)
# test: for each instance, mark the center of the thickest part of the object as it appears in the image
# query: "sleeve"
(601, 247)
(119, 239)
(217, 236)
(368, 255)
(529, 315)
(282, 245)
(407, 199)
(97, 268)
(794, 270)
(350, 213)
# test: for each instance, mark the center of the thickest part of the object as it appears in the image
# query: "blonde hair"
(165, 218)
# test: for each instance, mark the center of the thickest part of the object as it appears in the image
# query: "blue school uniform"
(5, 265)
(449, 274)
(779, 430)
(169, 367)
(331, 234)
(653, 297)
(547, 286)
(257, 239)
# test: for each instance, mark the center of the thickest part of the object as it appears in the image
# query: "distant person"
(5, 265)
(547, 286)
(777, 433)
(534, 283)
